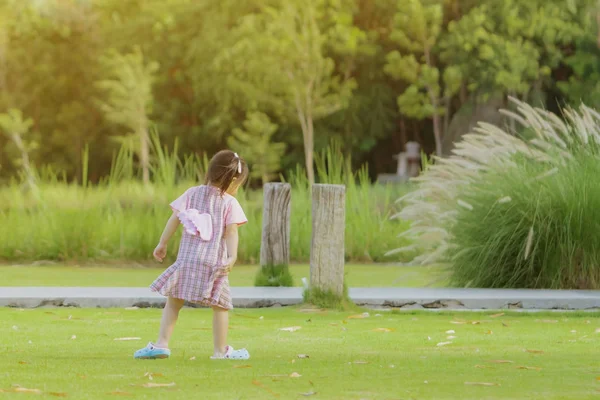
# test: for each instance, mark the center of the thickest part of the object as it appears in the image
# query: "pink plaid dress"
(197, 276)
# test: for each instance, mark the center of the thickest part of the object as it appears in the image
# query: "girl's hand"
(160, 252)
(228, 265)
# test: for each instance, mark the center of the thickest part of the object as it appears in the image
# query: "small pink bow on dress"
(197, 224)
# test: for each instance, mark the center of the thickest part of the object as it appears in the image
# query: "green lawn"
(356, 276)
(73, 353)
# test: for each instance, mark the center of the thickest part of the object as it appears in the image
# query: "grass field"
(73, 353)
(356, 276)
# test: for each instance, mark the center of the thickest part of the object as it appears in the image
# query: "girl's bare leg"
(169, 318)
(220, 328)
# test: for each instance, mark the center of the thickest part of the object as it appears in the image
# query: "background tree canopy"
(282, 77)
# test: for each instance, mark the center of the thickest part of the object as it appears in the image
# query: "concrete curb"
(257, 297)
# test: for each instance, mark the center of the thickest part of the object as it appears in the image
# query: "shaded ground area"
(74, 353)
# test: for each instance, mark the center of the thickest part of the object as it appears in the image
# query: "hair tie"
(239, 168)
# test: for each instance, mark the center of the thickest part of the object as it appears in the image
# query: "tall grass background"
(120, 219)
(514, 208)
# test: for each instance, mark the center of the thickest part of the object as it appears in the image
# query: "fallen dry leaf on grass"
(497, 315)
(73, 337)
(383, 330)
(58, 394)
(295, 375)
(450, 332)
(120, 393)
(303, 356)
(529, 368)
(359, 316)
(440, 344)
(535, 351)
(19, 389)
(501, 361)
(192, 358)
(260, 385)
(451, 337)
(482, 384)
(127, 338)
(158, 385)
(23, 362)
(151, 375)
(482, 366)
(489, 332)
(242, 366)
(291, 329)
(307, 394)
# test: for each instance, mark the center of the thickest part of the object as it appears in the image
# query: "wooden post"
(275, 244)
(328, 226)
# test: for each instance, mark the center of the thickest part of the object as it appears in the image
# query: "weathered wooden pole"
(275, 243)
(328, 226)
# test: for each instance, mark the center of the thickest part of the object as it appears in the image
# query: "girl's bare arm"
(170, 228)
(172, 224)
(231, 243)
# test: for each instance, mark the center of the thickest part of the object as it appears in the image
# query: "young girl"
(210, 216)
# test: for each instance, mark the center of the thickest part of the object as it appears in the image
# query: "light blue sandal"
(232, 354)
(151, 352)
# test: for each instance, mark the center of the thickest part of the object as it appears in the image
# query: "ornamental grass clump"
(514, 209)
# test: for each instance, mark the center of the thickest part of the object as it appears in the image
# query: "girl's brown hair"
(225, 167)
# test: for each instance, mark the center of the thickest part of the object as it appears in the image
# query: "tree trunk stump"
(328, 226)
(275, 243)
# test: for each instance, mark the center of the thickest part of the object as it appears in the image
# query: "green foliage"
(129, 98)
(254, 143)
(531, 226)
(417, 27)
(129, 91)
(372, 74)
(293, 78)
(511, 211)
(509, 46)
(121, 219)
(17, 130)
(582, 85)
(274, 275)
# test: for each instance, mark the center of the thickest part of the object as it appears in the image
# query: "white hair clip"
(239, 162)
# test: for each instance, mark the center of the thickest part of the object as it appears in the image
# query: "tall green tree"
(417, 28)
(584, 83)
(510, 47)
(129, 98)
(254, 143)
(293, 77)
